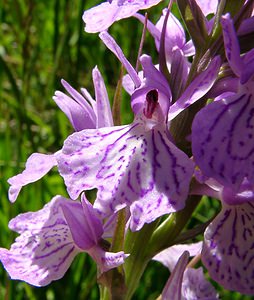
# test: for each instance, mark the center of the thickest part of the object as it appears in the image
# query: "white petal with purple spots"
(228, 251)
(222, 140)
(129, 165)
(44, 250)
(102, 16)
(37, 166)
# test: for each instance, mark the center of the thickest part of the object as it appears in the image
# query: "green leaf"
(195, 22)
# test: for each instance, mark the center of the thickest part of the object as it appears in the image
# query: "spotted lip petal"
(37, 166)
(102, 16)
(44, 250)
(228, 250)
(50, 239)
(222, 140)
(130, 165)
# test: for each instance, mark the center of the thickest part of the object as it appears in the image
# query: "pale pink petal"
(207, 6)
(37, 166)
(128, 165)
(77, 109)
(112, 45)
(77, 116)
(172, 289)
(102, 16)
(228, 251)
(222, 140)
(170, 256)
(104, 115)
(44, 250)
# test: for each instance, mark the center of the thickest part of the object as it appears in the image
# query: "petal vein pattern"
(130, 166)
(222, 135)
(44, 250)
(228, 251)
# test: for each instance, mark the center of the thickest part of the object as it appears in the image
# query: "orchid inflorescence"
(192, 136)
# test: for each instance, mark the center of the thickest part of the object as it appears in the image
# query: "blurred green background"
(42, 42)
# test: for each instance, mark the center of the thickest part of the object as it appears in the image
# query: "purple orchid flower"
(50, 239)
(222, 132)
(223, 149)
(184, 282)
(228, 240)
(102, 16)
(134, 165)
(174, 35)
(83, 112)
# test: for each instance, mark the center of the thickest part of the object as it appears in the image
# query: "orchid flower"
(102, 16)
(134, 165)
(222, 132)
(50, 239)
(83, 112)
(228, 240)
(223, 149)
(174, 35)
(184, 282)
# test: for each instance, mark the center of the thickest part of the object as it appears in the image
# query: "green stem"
(136, 245)
(104, 293)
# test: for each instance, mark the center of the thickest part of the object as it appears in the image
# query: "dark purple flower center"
(151, 103)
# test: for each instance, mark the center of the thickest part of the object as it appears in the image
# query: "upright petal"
(197, 89)
(112, 45)
(129, 165)
(77, 110)
(37, 166)
(228, 251)
(85, 226)
(104, 115)
(232, 47)
(172, 289)
(44, 250)
(222, 140)
(175, 35)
